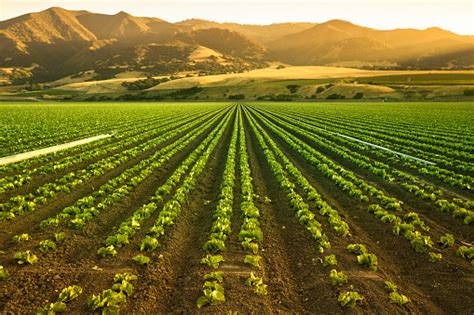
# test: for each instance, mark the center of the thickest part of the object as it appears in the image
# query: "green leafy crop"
(257, 283)
(446, 240)
(349, 298)
(70, 293)
(59, 237)
(149, 243)
(212, 260)
(109, 301)
(434, 257)
(213, 294)
(21, 238)
(46, 245)
(4, 274)
(356, 249)
(52, 308)
(25, 257)
(107, 251)
(141, 259)
(253, 260)
(369, 260)
(337, 278)
(397, 298)
(330, 260)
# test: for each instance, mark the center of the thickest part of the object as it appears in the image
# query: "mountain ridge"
(78, 40)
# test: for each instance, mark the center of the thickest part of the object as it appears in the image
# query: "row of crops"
(229, 207)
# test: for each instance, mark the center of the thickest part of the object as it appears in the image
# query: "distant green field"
(421, 79)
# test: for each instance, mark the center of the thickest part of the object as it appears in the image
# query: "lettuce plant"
(369, 260)
(253, 260)
(356, 249)
(391, 286)
(4, 274)
(59, 237)
(25, 257)
(337, 278)
(447, 240)
(149, 243)
(435, 257)
(52, 308)
(46, 245)
(109, 301)
(330, 260)
(466, 253)
(397, 298)
(141, 259)
(107, 251)
(214, 276)
(21, 238)
(212, 260)
(214, 245)
(349, 298)
(213, 294)
(70, 293)
(257, 283)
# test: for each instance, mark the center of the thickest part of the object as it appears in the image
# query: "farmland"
(216, 207)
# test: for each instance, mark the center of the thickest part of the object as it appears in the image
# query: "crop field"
(238, 208)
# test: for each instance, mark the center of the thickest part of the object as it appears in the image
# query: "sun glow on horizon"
(455, 15)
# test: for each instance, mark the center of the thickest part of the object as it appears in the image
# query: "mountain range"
(64, 42)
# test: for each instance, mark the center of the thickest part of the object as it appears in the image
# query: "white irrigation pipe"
(372, 145)
(31, 154)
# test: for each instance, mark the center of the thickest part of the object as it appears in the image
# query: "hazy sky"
(453, 15)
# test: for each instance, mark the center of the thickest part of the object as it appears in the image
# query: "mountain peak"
(122, 13)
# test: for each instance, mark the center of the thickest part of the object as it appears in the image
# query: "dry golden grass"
(202, 53)
(288, 73)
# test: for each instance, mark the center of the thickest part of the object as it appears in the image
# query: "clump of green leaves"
(109, 300)
(435, 257)
(399, 299)
(149, 243)
(330, 260)
(117, 240)
(253, 260)
(66, 295)
(249, 245)
(141, 259)
(391, 286)
(349, 298)
(213, 294)
(447, 240)
(59, 237)
(4, 274)
(26, 257)
(70, 293)
(46, 245)
(107, 251)
(214, 276)
(369, 260)
(77, 223)
(363, 256)
(394, 296)
(257, 283)
(466, 253)
(21, 238)
(214, 245)
(356, 249)
(52, 308)
(337, 278)
(212, 260)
